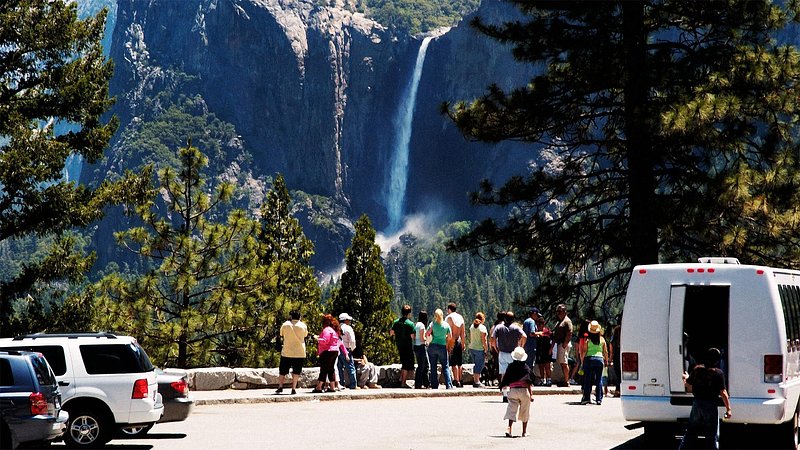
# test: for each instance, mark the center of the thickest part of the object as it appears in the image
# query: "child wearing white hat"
(520, 395)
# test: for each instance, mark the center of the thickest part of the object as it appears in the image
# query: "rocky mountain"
(314, 91)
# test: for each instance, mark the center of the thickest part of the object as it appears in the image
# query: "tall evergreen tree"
(285, 254)
(665, 130)
(366, 295)
(204, 303)
(52, 72)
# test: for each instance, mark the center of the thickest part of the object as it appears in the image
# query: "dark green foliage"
(52, 72)
(415, 16)
(365, 294)
(664, 130)
(204, 303)
(425, 275)
(285, 253)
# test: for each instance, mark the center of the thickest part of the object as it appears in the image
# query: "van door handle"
(63, 383)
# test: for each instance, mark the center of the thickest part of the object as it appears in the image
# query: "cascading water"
(398, 172)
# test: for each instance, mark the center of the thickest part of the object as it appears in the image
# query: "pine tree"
(366, 295)
(285, 255)
(203, 303)
(52, 72)
(664, 130)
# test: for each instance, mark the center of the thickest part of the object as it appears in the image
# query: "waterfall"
(398, 171)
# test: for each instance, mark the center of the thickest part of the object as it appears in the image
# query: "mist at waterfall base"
(422, 226)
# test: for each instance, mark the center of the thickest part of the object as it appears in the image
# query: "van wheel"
(789, 433)
(87, 429)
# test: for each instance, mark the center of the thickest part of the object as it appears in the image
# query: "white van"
(674, 312)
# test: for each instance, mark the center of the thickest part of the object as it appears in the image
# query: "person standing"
(293, 353)
(563, 339)
(456, 322)
(505, 338)
(403, 331)
(707, 385)
(439, 331)
(421, 377)
(530, 329)
(596, 357)
(517, 379)
(478, 346)
(544, 347)
(328, 344)
(346, 361)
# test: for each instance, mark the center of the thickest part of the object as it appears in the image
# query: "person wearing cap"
(346, 361)
(520, 393)
(596, 357)
(530, 329)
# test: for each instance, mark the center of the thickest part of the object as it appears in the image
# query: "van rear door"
(676, 341)
(698, 320)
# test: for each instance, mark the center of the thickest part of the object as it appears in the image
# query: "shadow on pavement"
(739, 437)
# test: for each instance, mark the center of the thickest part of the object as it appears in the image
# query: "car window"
(43, 372)
(53, 353)
(6, 375)
(114, 358)
(144, 360)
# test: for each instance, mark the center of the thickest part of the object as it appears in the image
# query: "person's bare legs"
(524, 429)
(295, 379)
(281, 379)
(508, 430)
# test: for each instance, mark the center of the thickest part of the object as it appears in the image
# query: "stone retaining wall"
(217, 378)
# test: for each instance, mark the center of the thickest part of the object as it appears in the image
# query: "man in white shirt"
(456, 322)
(347, 362)
(293, 353)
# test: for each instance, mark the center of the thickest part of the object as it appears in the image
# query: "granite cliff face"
(313, 92)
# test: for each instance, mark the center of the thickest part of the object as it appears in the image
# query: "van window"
(114, 358)
(790, 303)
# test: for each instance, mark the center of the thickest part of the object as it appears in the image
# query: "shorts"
(479, 358)
(406, 358)
(296, 364)
(457, 356)
(563, 353)
(504, 359)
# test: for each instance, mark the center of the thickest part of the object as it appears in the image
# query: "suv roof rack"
(99, 334)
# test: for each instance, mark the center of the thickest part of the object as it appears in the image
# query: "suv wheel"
(134, 432)
(87, 429)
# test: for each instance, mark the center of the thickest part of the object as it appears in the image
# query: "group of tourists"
(521, 355)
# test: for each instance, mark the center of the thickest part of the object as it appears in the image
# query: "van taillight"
(140, 389)
(38, 403)
(773, 368)
(630, 366)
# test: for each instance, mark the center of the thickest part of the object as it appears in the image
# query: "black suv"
(30, 401)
